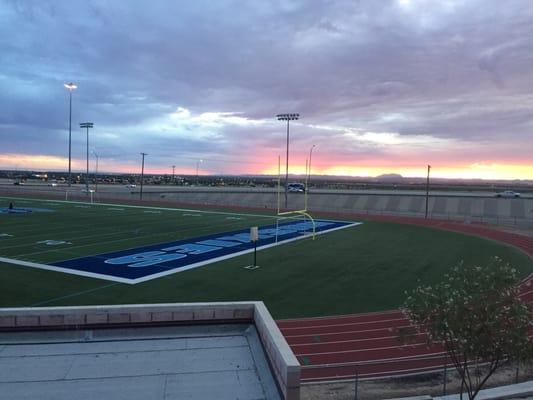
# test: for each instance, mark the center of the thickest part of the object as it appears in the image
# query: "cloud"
(201, 80)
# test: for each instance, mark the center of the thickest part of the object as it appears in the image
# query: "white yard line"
(63, 202)
(68, 296)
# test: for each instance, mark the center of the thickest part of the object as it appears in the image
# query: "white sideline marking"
(5, 235)
(234, 218)
(59, 202)
(82, 206)
(191, 215)
(115, 209)
(152, 212)
(65, 270)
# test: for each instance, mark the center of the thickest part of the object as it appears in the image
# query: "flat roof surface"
(181, 362)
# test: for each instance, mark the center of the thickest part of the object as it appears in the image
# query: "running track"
(338, 347)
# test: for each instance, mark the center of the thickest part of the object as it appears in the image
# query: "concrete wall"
(518, 212)
(476, 209)
(285, 366)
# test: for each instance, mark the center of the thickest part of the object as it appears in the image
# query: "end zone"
(149, 262)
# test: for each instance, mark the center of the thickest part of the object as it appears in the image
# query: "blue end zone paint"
(149, 262)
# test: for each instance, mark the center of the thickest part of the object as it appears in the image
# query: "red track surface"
(333, 348)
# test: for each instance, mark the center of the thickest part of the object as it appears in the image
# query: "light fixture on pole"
(70, 86)
(87, 125)
(427, 192)
(142, 175)
(287, 117)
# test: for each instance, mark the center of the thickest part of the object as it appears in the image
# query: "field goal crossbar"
(294, 213)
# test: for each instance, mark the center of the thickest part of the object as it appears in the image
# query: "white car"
(508, 194)
(131, 186)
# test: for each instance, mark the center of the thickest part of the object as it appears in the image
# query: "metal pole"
(427, 192)
(287, 167)
(70, 86)
(87, 125)
(142, 176)
(255, 253)
(96, 174)
(173, 170)
(445, 374)
(309, 171)
(70, 139)
(87, 173)
(287, 117)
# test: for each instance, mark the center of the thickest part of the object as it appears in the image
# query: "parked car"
(296, 187)
(131, 186)
(508, 194)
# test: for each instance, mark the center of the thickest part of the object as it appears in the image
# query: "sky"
(381, 86)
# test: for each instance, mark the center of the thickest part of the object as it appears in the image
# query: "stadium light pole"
(96, 172)
(173, 172)
(288, 118)
(70, 86)
(87, 125)
(142, 175)
(427, 192)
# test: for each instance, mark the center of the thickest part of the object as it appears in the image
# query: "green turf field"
(364, 268)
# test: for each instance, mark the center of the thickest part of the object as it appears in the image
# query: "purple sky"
(381, 86)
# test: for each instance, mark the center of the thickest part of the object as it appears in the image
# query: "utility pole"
(173, 171)
(142, 175)
(427, 192)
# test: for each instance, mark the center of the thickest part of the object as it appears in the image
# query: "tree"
(476, 315)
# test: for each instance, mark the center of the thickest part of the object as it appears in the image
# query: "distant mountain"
(389, 178)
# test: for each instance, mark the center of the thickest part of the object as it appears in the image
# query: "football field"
(65, 253)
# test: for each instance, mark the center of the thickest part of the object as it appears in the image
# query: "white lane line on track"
(346, 324)
(352, 341)
(374, 375)
(293, 346)
(421, 357)
(310, 319)
(363, 350)
(346, 332)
